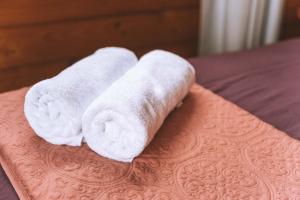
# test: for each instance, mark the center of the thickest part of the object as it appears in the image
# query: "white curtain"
(231, 25)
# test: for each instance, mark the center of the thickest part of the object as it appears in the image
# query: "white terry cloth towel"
(54, 107)
(121, 122)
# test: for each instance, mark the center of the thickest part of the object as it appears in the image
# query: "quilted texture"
(206, 149)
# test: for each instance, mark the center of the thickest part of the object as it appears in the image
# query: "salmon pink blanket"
(206, 149)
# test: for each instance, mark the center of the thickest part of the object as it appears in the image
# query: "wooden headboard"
(291, 19)
(40, 38)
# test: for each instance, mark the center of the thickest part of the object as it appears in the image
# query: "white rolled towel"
(54, 107)
(121, 122)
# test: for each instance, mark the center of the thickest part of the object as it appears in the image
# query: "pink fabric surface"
(207, 149)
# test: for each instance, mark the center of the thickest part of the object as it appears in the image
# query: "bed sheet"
(264, 81)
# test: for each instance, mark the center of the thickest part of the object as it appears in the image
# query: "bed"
(265, 83)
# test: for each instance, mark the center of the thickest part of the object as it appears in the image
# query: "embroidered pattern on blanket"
(206, 149)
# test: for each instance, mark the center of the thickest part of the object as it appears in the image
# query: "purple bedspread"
(7, 192)
(264, 81)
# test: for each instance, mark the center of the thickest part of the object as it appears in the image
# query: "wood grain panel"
(291, 9)
(25, 75)
(59, 41)
(20, 12)
(14, 78)
(185, 49)
(291, 21)
(291, 32)
(39, 38)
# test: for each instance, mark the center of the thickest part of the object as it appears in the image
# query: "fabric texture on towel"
(54, 107)
(124, 119)
(206, 149)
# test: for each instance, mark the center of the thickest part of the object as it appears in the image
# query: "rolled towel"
(54, 107)
(121, 122)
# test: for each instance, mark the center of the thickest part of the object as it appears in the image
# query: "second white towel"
(122, 121)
